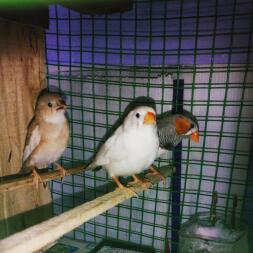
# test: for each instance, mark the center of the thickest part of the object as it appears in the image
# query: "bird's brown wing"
(32, 139)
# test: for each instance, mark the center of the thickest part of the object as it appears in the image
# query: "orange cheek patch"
(182, 125)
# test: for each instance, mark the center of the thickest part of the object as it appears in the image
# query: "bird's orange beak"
(149, 118)
(195, 137)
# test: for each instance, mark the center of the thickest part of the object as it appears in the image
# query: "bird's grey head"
(186, 125)
(141, 116)
(50, 107)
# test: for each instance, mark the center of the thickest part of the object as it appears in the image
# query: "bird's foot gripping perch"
(122, 187)
(62, 171)
(154, 172)
(37, 179)
(144, 182)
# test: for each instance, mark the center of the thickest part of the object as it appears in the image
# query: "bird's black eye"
(137, 115)
(49, 104)
(192, 125)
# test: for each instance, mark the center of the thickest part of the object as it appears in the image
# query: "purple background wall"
(170, 33)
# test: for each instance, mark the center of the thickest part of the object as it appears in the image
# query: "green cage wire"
(103, 62)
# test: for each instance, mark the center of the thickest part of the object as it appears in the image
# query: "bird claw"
(128, 190)
(36, 178)
(143, 182)
(62, 171)
(154, 172)
(121, 187)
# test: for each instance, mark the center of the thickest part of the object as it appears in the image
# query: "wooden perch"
(15, 183)
(38, 236)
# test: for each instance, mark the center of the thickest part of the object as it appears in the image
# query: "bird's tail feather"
(93, 166)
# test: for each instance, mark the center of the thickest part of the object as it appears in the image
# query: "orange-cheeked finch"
(174, 127)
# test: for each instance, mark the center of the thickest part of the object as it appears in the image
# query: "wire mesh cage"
(191, 54)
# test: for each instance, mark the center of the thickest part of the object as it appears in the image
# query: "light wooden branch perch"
(13, 184)
(38, 236)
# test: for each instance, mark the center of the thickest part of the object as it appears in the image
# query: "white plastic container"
(199, 235)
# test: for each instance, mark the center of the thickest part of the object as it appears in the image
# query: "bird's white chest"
(138, 150)
(47, 143)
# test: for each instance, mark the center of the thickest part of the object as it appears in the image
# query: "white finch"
(47, 135)
(132, 148)
(173, 128)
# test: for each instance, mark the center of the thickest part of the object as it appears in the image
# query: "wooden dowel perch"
(13, 184)
(39, 236)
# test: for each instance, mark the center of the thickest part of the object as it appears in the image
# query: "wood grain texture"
(22, 76)
(16, 183)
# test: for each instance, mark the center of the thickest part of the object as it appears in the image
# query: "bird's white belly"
(141, 151)
(48, 156)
